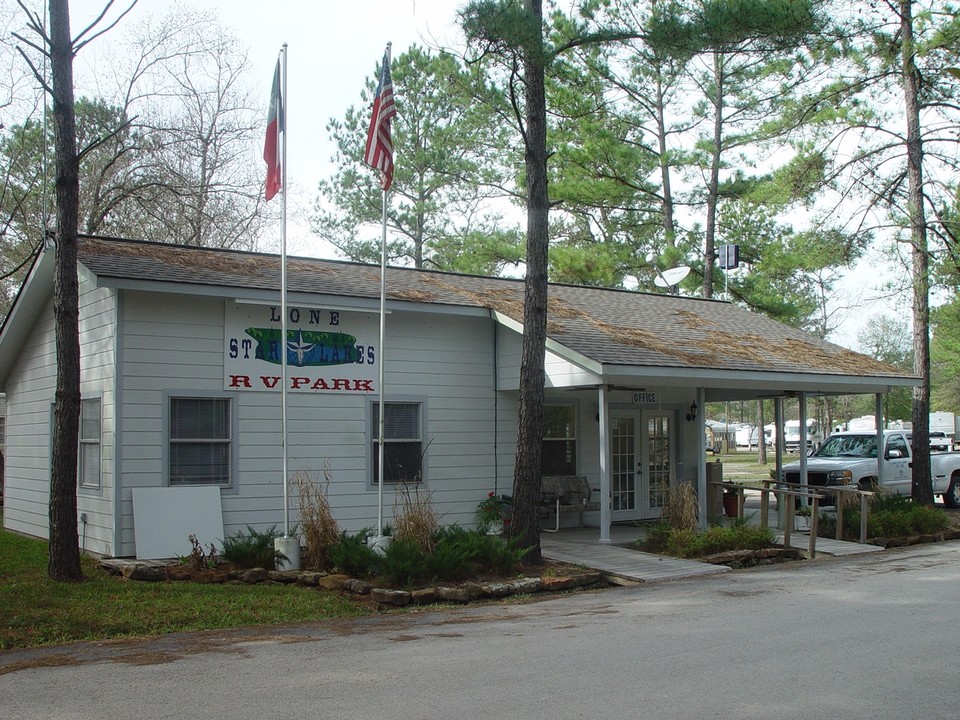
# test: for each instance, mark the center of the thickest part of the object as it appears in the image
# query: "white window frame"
(561, 441)
(375, 440)
(90, 445)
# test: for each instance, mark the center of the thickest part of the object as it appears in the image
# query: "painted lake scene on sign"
(326, 350)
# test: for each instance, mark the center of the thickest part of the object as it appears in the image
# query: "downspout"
(496, 405)
(118, 424)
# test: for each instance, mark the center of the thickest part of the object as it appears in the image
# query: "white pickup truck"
(850, 458)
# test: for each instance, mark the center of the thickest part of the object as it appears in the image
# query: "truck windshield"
(849, 446)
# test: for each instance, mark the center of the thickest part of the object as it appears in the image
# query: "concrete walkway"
(581, 546)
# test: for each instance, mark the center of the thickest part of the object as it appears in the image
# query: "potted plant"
(490, 512)
(731, 501)
(801, 518)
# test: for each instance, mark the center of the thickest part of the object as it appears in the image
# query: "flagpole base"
(289, 546)
(379, 543)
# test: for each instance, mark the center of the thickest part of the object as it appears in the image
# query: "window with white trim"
(559, 447)
(402, 440)
(200, 441)
(88, 465)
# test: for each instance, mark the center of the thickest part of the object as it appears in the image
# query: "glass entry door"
(623, 466)
(658, 462)
(642, 463)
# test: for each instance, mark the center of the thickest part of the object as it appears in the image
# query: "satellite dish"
(671, 277)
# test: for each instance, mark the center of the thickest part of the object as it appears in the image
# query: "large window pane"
(559, 447)
(196, 418)
(200, 441)
(402, 460)
(88, 463)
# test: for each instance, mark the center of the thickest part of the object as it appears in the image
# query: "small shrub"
(889, 516)
(253, 548)
(198, 559)
(320, 531)
(929, 520)
(452, 557)
(499, 555)
(457, 553)
(715, 539)
(405, 563)
(449, 561)
(352, 556)
(657, 536)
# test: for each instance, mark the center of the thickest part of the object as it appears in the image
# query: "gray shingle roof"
(613, 327)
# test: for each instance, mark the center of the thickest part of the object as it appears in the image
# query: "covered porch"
(625, 566)
(650, 438)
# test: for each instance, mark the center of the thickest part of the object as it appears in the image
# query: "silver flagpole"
(283, 290)
(288, 546)
(383, 332)
(383, 329)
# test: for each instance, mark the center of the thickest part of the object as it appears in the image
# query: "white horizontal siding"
(30, 393)
(175, 345)
(98, 329)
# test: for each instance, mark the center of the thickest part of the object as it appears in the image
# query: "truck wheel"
(868, 484)
(951, 498)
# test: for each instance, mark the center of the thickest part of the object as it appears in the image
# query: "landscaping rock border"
(383, 597)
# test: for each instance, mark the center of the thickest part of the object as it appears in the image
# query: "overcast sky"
(332, 48)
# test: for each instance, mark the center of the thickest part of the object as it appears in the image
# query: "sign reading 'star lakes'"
(327, 350)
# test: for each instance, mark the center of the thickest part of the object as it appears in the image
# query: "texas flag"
(271, 145)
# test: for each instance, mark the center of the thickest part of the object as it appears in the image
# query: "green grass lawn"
(37, 611)
(742, 466)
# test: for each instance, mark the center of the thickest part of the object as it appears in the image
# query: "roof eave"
(29, 303)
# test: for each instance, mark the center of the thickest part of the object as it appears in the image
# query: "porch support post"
(605, 462)
(778, 455)
(880, 449)
(701, 444)
(802, 446)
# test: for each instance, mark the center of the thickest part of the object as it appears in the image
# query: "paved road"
(864, 637)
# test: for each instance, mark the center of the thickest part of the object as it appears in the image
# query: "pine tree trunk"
(527, 467)
(64, 551)
(922, 488)
(713, 184)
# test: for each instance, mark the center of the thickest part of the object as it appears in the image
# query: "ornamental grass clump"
(414, 518)
(680, 507)
(317, 524)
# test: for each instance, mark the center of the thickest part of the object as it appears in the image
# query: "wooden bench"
(564, 494)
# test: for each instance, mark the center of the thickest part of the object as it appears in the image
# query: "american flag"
(378, 153)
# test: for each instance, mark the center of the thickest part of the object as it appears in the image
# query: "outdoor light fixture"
(692, 415)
